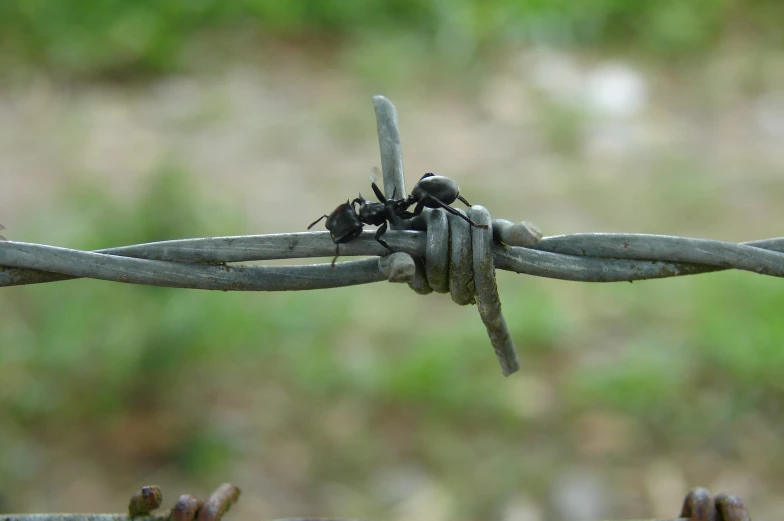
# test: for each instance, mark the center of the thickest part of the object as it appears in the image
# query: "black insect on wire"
(434, 191)
(346, 221)
(431, 191)
(343, 225)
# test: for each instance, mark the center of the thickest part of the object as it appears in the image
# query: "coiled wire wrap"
(444, 254)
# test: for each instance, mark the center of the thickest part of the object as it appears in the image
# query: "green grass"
(86, 38)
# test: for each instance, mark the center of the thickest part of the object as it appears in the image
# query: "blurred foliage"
(116, 37)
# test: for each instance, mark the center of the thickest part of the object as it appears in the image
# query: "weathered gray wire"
(488, 302)
(172, 273)
(751, 256)
(391, 149)
(595, 258)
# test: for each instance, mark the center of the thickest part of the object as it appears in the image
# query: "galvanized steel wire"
(438, 253)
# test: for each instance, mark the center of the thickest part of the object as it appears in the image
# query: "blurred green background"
(124, 122)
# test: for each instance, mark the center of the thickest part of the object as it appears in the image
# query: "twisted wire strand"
(198, 263)
(764, 257)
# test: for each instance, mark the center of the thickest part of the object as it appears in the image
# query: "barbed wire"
(149, 498)
(698, 505)
(438, 252)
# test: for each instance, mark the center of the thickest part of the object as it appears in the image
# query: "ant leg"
(462, 199)
(337, 254)
(419, 207)
(450, 210)
(413, 218)
(317, 220)
(381, 231)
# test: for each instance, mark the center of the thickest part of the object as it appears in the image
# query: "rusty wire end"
(731, 508)
(219, 502)
(700, 505)
(145, 500)
(186, 508)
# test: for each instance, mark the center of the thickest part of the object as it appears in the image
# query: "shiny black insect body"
(343, 225)
(378, 213)
(434, 191)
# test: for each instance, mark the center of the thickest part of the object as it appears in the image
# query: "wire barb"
(391, 149)
(144, 501)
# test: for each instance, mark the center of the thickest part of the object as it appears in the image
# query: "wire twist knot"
(459, 260)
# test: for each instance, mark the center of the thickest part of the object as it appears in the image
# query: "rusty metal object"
(700, 505)
(186, 508)
(219, 502)
(144, 501)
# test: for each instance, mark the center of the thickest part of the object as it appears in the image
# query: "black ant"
(431, 191)
(346, 222)
(435, 191)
